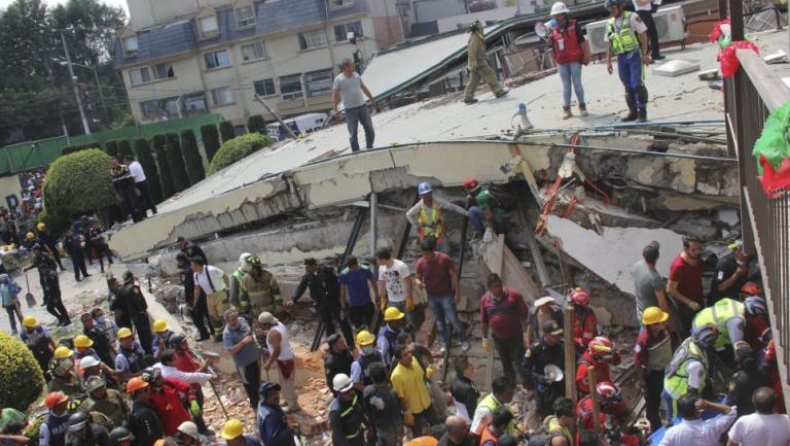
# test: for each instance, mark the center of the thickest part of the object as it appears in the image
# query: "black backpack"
(502, 196)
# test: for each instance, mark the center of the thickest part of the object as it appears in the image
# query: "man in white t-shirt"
(349, 88)
(764, 428)
(215, 284)
(140, 182)
(395, 283)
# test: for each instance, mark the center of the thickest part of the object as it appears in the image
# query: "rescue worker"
(191, 249)
(487, 208)
(143, 422)
(585, 326)
(130, 360)
(130, 308)
(37, 339)
(260, 291)
(500, 421)
(478, 65)
(560, 424)
(195, 379)
(50, 242)
(73, 245)
(273, 427)
(346, 417)
(239, 341)
(53, 430)
(548, 350)
(382, 408)
(198, 308)
(652, 353)
(109, 402)
(766, 361)
(730, 318)
(338, 359)
(235, 281)
(121, 436)
(502, 391)
(745, 380)
(123, 183)
(186, 362)
(233, 434)
(187, 434)
(612, 410)
(166, 401)
(428, 216)
(90, 366)
(52, 295)
(626, 35)
(99, 341)
(393, 323)
(570, 50)
(688, 370)
(600, 354)
(367, 355)
(731, 274)
(162, 334)
(64, 372)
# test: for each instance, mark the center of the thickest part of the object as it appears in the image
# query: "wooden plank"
(594, 398)
(526, 170)
(570, 353)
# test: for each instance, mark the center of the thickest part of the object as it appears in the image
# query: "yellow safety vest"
(676, 381)
(492, 404)
(431, 223)
(622, 37)
(554, 425)
(718, 315)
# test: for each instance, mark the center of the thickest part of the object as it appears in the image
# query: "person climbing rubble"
(395, 289)
(427, 216)
(503, 311)
(600, 353)
(280, 353)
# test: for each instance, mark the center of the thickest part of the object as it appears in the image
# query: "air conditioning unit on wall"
(670, 24)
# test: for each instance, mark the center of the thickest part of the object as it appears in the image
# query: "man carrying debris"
(395, 284)
(408, 380)
(685, 281)
(478, 65)
(368, 356)
(259, 291)
(338, 359)
(382, 407)
(600, 354)
(426, 216)
(280, 353)
(388, 335)
(346, 418)
(240, 342)
(502, 391)
(652, 353)
(214, 283)
(355, 293)
(349, 88)
(626, 37)
(503, 311)
(273, 426)
(130, 308)
(548, 351)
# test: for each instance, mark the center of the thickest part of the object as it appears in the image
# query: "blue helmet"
(609, 4)
(424, 188)
(705, 335)
(755, 306)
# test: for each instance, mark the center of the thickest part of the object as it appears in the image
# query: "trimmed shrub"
(210, 137)
(178, 171)
(56, 223)
(226, 131)
(111, 147)
(78, 183)
(21, 379)
(168, 189)
(146, 160)
(238, 148)
(124, 149)
(71, 149)
(192, 158)
(256, 124)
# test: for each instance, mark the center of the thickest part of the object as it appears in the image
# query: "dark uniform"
(335, 363)
(538, 356)
(97, 436)
(193, 250)
(41, 258)
(200, 309)
(100, 243)
(123, 183)
(346, 420)
(51, 242)
(113, 405)
(51, 287)
(325, 292)
(38, 341)
(745, 381)
(130, 308)
(143, 422)
(101, 344)
(73, 245)
(725, 268)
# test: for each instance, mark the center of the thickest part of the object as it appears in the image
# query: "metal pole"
(374, 200)
(84, 118)
(276, 116)
(101, 96)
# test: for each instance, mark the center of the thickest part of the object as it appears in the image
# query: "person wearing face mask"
(367, 356)
(731, 274)
(107, 326)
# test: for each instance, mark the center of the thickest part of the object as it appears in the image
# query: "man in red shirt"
(436, 273)
(503, 311)
(685, 281)
(166, 401)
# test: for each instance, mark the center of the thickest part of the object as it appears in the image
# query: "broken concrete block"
(777, 57)
(676, 68)
(708, 75)
(728, 216)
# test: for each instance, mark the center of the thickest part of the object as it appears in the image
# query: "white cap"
(188, 428)
(88, 361)
(559, 8)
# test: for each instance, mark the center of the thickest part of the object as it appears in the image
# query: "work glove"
(408, 419)
(429, 372)
(487, 345)
(410, 303)
(194, 408)
(488, 236)
(383, 301)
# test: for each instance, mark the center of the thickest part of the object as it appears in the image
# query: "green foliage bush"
(192, 158)
(56, 223)
(256, 124)
(238, 148)
(111, 147)
(124, 149)
(227, 131)
(178, 171)
(21, 379)
(71, 149)
(79, 182)
(143, 152)
(210, 137)
(160, 143)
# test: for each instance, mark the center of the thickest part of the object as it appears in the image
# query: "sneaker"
(470, 101)
(465, 346)
(566, 113)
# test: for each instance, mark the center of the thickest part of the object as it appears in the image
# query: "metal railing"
(750, 96)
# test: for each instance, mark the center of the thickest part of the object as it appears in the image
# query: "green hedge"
(192, 158)
(21, 379)
(238, 148)
(78, 183)
(146, 160)
(210, 137)
(111, 147)
(226, 131)
(72, 149)
(256, 124)
(168, 189)
(177, 169)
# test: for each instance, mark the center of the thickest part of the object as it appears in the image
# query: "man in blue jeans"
(436, 273)
(349, 88)
(626, 35)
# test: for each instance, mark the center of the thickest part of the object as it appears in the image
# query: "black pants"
(652, 32)
(56, 256)
(103, 249)
(655, 384)
(686, 315)
(510, 353)
(546, 395)
(143, 326)
(361, 315)
(423, 422)
(78, 261)
(43, 358)
(200, 317)
(329, 315)
(251, 378)
(145, 196)
(87, 250)
(12, 316)
(55, 307)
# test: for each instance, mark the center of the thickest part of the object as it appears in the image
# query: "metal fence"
(750, 96)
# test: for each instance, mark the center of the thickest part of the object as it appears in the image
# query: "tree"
(111, 147)
(177, 169)
(78, 183)
(168, 188)
(238, 148)
(124, 149)
(227, 131)
(210, 140)
(146, 160)
(21, 379)
(256, 124)
(193, 159)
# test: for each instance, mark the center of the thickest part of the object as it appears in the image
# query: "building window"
(265, 87)
(245, 16)
(217, 59)
(160, 109)
(319, 83)
(341, 31)
(291, 87)
(312, 39)
(194, 104)
(208, 26)
(337, 4)
(163, 71)
(222, 96)
(130, 46)
(253, 51)
(139, 76)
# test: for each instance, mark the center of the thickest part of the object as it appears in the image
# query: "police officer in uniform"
(130, 308)
(51, 242)
(338, 359)
(191, 250)
(626, 35)
(123, 183)
(549, 350)
(39, 258)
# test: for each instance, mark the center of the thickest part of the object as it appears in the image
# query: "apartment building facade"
(181, 58)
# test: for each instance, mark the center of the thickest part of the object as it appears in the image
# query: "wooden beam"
(570, 353)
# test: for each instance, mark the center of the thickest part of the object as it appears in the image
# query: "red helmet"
(600, 346)
(580, 297)
(55, 398)
(751, 289)
(471, 183)
(608, 393)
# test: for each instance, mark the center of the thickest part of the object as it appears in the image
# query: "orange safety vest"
(486, 435)
(430, 225)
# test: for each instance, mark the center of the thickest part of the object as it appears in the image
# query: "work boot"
(632, 114)
(583, 110)
(502, 93)
(470, 101)
(566, 112)
(642, 115)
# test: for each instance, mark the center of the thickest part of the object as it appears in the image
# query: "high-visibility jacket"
(492, 404)
(565, 44)
(555, 426)
(430, 223)
(621, 35)
(676, 374)
(719, 314)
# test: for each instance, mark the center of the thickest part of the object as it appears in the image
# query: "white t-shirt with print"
(395, 278)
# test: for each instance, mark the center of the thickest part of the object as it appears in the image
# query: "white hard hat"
(188, 428)
(243, 265)
(342, 383)
(559, 8)
(88, 362)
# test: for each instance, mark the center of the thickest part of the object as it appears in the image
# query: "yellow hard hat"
(365, 337)
(41, 226)
(30, 236)
(30, 322)
(124, 332)
(232, 429)
(160, 326)
(63, 352)
(393, 314)
(82, 341)
(654, 315)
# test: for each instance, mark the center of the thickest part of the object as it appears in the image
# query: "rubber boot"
(642, 112)
(642, 115)
(632, 114)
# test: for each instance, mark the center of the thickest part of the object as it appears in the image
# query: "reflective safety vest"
(487, 436)
(676, 374)
(621, 35)
(719, 314)
(259, 294)
(430, 223)
(566, 46)
(351, 419)
(491, 403)
(555, 426)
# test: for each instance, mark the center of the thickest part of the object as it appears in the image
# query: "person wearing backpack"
(488, 208)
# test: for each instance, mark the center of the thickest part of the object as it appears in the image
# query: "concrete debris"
(676, 68)
(520, 80)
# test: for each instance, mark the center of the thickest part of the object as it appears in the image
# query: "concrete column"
(374, 200)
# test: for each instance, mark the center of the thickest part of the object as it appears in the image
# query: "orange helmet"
(751, 289)
(580, 297)
(135, 384)
(600, 346)
(55, 398)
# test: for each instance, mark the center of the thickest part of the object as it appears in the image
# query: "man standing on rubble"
(273, 427)
(240, 342)
(338, 359)
(478, 65)
(503, 311)
(197, 307)
(395, 284)
(355, 293)
(408, 380)
(214, 283)
(349, 88)
(259, 290)
(426, 216)
(278, 345)
(685, 281)
(130, 308)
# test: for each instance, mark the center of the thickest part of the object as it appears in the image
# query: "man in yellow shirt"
(408, 380)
